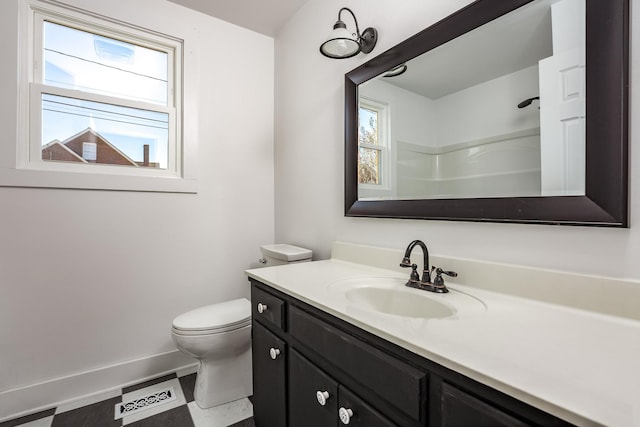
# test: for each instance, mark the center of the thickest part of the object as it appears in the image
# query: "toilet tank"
(281, 254)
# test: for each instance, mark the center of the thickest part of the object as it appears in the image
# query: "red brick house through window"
(90, 147)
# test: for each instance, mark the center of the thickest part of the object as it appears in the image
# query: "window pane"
(122, 136)
(90, 151)
(80, 60)
(368, 166)
(368, 120)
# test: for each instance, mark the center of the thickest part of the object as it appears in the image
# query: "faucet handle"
(406, 262)
(439, 280)
(414, 273)
(440, 271)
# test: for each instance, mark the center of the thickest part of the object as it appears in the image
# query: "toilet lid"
(225, 315)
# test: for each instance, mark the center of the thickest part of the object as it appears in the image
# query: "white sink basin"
(390, 296)
(393, 301)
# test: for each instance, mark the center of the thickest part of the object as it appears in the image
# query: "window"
(89, 151)
(368, 148)
(104, 103)
(373, 146)
(98, 84)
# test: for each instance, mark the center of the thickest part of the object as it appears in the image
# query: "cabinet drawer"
(267, 307)
(398, 383)
(460, 409)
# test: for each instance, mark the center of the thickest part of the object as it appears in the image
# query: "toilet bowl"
(219, 337)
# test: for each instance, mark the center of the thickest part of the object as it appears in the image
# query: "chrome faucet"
(425, 282)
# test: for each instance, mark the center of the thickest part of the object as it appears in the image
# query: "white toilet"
(219, 337)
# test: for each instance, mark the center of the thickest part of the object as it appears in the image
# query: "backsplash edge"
(605, 295)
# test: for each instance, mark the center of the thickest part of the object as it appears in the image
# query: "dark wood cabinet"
(400, 384)
(359, 413)
(313, 395)
(460, 409)
(328, 371)
(268, 308)
(269, 354)
(317, 400)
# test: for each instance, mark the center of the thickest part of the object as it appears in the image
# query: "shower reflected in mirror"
(528, 102)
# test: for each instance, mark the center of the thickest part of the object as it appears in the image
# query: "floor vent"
(152, 400)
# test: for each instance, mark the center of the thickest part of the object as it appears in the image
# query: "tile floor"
(182, 411)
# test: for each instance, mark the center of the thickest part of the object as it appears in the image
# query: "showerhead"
(527, 102)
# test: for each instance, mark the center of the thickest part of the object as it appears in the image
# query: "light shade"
(340, 43)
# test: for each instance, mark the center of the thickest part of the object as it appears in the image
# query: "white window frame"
(29, 170)
(384, 146)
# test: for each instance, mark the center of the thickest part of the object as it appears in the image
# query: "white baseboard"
(44, 395)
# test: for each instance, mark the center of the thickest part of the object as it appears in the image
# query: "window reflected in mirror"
(368, 147)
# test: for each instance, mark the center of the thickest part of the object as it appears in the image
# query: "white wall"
(309, 157)
(488, 109)
(90, 279)
(482, 111)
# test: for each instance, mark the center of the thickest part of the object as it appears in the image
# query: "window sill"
(83, 181)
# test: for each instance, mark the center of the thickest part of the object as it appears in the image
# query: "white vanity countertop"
(581, 366)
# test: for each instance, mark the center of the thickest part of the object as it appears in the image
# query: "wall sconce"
(396, 71)
(343, 44)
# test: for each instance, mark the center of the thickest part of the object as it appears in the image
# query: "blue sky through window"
(93, 63)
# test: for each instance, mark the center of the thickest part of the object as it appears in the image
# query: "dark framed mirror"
(593, 186)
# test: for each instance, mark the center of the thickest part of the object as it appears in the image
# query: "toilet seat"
(214, 318)
(211, 331)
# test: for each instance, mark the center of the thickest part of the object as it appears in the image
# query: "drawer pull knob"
(322, 397)
(345, 415)
(262, 307)
(274, 353)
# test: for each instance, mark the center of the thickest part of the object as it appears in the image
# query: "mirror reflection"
(497, 112)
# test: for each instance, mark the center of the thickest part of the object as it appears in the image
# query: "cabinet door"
(395, 381)
(313, 395)
(460, 409)
(355, 412)
(269, 366)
